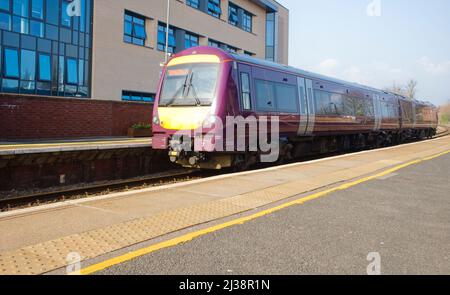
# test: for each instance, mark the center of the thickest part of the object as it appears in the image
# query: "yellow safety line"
(190, 236)
(80, 143)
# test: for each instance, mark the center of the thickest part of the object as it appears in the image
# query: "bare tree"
(395, 88)
(411, 89)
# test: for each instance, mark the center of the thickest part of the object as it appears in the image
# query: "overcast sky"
(410, 39)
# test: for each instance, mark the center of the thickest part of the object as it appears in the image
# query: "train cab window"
(265, 95)
(286, 96)
(245, 91)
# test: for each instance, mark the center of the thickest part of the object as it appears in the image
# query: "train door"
(307, 109)
(378, 112)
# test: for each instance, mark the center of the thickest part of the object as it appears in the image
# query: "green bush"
(142, 126)
(445, 119)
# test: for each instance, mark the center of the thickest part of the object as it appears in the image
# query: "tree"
(411, 89)
(395, 88)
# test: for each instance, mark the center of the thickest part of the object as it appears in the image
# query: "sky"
(374, 42)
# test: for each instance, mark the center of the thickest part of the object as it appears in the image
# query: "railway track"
(153, 180)
(442, 131)
(82, 191)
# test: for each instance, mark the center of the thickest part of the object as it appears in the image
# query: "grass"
(444, 114)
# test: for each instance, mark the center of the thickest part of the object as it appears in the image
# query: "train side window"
(368, 107)
(349, 109)
(336, 104)
(245, 91)
(286, 96)
(328, 103)
(322, 102)
(265, 95)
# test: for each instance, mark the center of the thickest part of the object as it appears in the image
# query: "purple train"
(317, 114)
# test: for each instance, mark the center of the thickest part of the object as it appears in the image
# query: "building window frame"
(193, 3)
(239, 17)
(7, 71)
(214, 8)
(161, 43)
(41, 55)
(191, 40)
(138, 96)
(134, 28)
(221, 45)
(247, 21)
(233, 14)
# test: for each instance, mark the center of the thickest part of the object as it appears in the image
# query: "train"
(315, 113)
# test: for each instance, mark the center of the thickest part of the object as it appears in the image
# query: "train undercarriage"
(298, 147)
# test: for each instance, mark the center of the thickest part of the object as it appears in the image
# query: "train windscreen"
(189, 85)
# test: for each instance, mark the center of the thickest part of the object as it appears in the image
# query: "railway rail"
(82, 191)
(157, 179)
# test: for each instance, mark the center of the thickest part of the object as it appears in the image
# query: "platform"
(38, 240)
(104, 143)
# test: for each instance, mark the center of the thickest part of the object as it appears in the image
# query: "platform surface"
(38, 240)
(404, 217)
(52, 146)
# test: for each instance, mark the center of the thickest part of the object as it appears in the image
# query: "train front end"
(190, 100)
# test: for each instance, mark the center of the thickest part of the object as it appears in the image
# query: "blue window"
(190, 40)
(270, 36)
(37, 28)
(4, 4)
(28, 65)
(239, 17)
(11, 59)
(20, 7)
(44, 67)
(80, 72)
(230, 48)
(51, 32)
(20, 25)
(193, 3)
(72, 71)
(10, 86)
(37, 9)
(137, 96)
(65, 18)
(213, 43)
(247, 21)
(162, 38)
(233, 14)
(134, 29)
(52, 10)
(5, 21)
(214, 8)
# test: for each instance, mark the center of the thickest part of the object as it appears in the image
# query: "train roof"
(273, 65)
(284, 68)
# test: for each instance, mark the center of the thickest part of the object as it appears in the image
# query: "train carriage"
(316, 113)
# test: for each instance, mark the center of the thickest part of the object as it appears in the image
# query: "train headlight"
(210, 120)
(156, 120)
